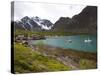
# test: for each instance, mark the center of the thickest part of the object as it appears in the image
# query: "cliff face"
(85, 22)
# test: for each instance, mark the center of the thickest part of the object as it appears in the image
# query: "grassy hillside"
(26, 60)
(81, 60)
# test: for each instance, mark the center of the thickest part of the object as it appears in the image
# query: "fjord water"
(76, 42)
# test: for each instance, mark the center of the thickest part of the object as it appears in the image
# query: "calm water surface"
(86, 43)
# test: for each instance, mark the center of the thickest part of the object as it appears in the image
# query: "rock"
(37, 37)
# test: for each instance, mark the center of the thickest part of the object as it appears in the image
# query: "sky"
(48, 11)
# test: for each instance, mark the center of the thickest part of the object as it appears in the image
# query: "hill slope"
(85, 22)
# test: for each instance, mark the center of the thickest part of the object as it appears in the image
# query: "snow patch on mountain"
(40, 23)
(34, 23)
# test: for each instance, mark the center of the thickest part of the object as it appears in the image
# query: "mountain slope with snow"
(33, 23)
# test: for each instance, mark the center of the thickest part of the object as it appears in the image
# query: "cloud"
(48, 11)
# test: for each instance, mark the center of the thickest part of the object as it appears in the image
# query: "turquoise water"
(78, 42)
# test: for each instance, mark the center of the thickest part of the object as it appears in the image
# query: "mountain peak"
(35, 23)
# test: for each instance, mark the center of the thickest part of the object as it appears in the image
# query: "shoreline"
(75, 50)
(68, 56)
(45, 47)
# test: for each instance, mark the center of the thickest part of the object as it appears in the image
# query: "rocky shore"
(24, 39)
(75, 59)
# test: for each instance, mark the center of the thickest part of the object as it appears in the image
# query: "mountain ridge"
(32, 24)
(85, 21)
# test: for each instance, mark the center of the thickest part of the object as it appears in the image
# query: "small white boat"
(87, 40)
(69, 41)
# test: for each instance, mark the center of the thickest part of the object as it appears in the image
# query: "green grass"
(87, 64)
(26, 60)
(46, 33)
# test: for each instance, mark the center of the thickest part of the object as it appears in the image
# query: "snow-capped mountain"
(43, 23)
(33, 23)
